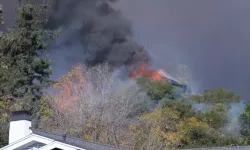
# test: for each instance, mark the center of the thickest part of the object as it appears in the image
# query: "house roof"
(74, 141)
(223, 148)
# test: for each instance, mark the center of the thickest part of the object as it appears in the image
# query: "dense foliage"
(96, 105)
(175, 124)
(245, 124)
(24, 71)
(217, 95)
(155, 89)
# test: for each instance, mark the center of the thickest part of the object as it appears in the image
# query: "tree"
(183, 74)
(181, 106)
(217, 95)
(156, 89)
(4, 107)
(24, 71)
(216, 117)
(1, 18)
(245, 123)
(94, 104)
(1, 14)
(156, 130)
(197, 134)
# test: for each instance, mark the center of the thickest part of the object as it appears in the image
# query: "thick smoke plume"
(93, 32)
(210, 36)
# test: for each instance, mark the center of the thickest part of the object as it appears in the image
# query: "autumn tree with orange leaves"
(95, 104)
(67, 98)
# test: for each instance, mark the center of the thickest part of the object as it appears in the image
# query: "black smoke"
(210, 36)
(92, 31)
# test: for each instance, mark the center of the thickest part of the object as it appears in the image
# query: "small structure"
(23, 137)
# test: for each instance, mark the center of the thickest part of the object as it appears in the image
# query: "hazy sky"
(211, 36)
(8, 8)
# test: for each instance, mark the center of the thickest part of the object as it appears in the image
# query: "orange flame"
(69, 85)
(66, 99)
(147, 72)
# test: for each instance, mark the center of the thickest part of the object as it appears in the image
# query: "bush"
(217, 95)
(156, 89)
(181, 106)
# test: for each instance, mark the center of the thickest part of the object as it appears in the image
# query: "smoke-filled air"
(93, 32)
(118, 72)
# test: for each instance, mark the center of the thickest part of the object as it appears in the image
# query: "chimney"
(20, 123)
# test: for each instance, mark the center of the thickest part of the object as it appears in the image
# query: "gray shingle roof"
(223, 148)
(95, 146)
(75, 141)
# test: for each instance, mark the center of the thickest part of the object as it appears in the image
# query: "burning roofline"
(144, 70)
(184, 87)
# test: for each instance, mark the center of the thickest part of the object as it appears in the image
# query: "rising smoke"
(210, 36)
(93, 32)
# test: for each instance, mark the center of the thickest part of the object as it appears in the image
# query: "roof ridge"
(224, 147)
(76, 138)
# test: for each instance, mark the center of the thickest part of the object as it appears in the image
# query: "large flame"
(147, 72)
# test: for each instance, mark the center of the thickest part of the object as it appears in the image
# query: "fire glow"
(67, 98)
(147, 72)
(69, 85)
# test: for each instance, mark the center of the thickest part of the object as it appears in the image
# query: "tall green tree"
(245, 124)
(1, 14)
(1, 18)
(24, 70)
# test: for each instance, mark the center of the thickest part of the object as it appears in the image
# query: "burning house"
(160, 75)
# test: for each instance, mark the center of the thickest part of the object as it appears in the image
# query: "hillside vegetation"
(95, 104)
